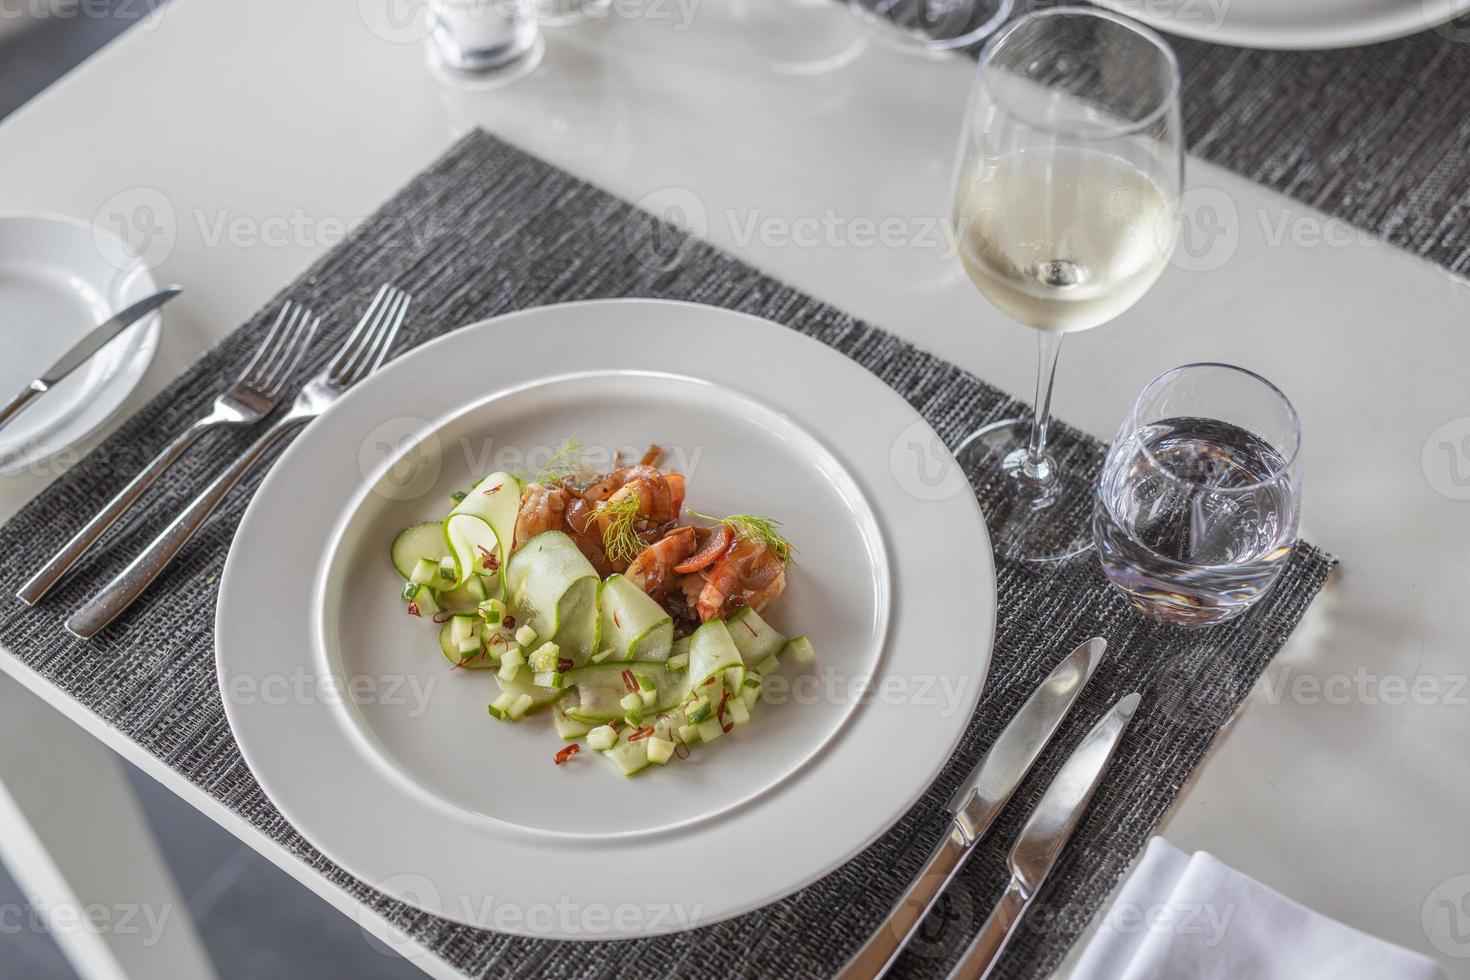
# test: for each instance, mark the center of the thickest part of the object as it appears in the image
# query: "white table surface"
(256, 130)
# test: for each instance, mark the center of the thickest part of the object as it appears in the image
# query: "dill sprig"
(619, 539)
(562, 464)
(757, 528)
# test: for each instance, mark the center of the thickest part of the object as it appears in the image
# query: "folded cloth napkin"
(1185, 917)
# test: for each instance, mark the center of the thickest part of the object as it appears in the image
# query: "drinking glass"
(933, 25)
(488, 39)
(1196, 511)
(559, 13)
(1070, 165)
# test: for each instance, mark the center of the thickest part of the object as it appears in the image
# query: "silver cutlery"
(976, 804)
(94, 341)
(252, 397)
(1047, 831)
(363, 352)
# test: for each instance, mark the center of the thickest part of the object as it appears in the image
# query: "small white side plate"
(1292, 24)
(59, 278)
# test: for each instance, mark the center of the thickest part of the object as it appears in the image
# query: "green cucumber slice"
(418, 541)
(800, 649)
(630, 757)
(483, 523)
(633, 625)
(711, 650)
(753, 637)
(553, 589)
(595, 693)
(522, 686)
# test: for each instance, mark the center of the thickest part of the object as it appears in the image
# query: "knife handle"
(985, 949)
(22, 400)
(883, 947)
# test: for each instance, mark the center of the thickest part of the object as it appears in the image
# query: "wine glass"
(1069, 169)
(1196, 511)
(933, 26)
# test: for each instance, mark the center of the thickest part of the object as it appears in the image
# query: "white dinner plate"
(59, 278)
(1292, 24)
(388, 761)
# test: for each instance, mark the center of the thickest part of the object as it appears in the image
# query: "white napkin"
(1193, 918)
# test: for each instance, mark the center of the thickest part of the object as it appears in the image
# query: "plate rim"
(979, 559)
(115, 391)
(1370, 29)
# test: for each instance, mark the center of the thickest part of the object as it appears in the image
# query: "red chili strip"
(490, 559)
(443, 616)
(494, 489)
(640, 734)
(629, 681)
(413, 610)
(567, 753)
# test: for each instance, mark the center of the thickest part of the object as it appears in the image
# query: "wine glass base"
(1036, 512)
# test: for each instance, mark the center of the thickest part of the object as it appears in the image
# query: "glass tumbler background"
(1197, 507)
(484, 37)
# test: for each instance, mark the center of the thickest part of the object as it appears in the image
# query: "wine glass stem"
(1048, 348)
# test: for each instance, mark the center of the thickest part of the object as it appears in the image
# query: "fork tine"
(281, 347)
(363, 352)
(266, 346)
(293, 351)
(349, 346)
(392, 333)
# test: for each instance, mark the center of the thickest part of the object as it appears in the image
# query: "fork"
(364, 351)
(257, 391)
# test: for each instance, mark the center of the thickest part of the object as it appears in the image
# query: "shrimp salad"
(600, 599)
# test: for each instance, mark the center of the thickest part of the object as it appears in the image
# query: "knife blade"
(1047, 831)
(94, 341)
(977, 803)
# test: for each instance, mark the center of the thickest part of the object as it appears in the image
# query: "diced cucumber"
(750, 696)
(768, 666)
(522, 685)
(513, 655)
(470, 647)
(569, 728)
(520, 706)
(418, 542)
(545, 657)
(709, 730)
(426, 601)
(660, 751)
(465, 599)
(553, 588)
(648, 697)
(508, 671)
(492, 611)
(633, 625)
(753, 637)
(410, 590)
(500, 707)
(699, 710)
(424, 572)
(630, 757)
(679, 661)
(526, 637)
(461, 628)
(469, 657)
(446, 572)
(631, 702)
(688, 734)
(737, 710)
(601, 655)
(548, 678)
(800, 649)
(601, 738)
(735, 678)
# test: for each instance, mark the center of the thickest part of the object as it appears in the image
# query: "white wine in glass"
(1064, 199)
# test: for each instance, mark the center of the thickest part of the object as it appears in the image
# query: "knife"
(85, 348)
(1045, 834)
(977, 803)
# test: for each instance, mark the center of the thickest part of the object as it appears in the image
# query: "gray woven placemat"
(490, 229)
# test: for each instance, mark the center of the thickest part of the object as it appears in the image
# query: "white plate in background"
(60, 278)
(1292, 24)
